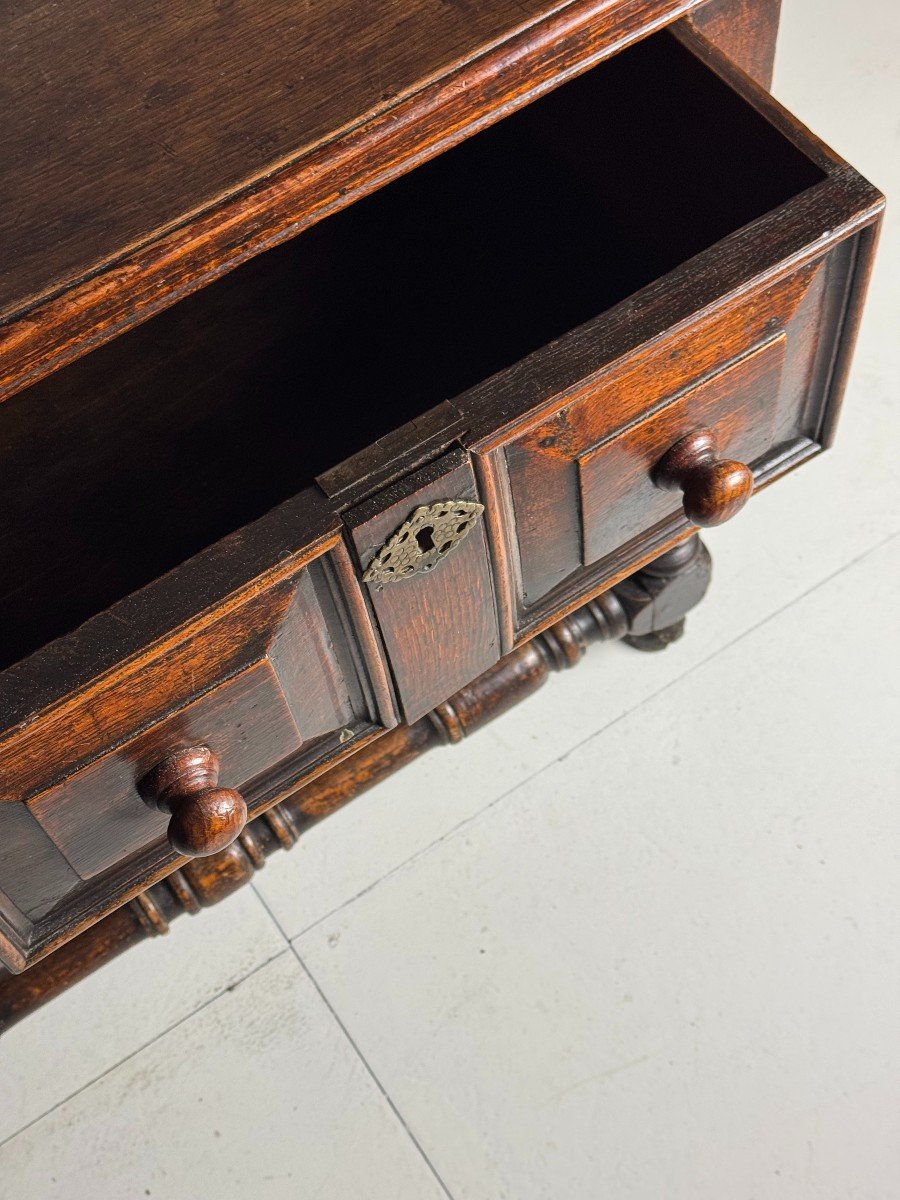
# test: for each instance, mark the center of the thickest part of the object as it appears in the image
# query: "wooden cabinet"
(261, 507)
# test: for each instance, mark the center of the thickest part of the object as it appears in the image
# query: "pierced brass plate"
(431, 533)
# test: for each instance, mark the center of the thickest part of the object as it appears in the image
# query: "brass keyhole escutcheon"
(427, 536)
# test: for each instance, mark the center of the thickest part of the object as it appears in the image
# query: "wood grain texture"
(216, 107)
(57, 740)
(199, 439)
(34, 873)
(440, 628)
(78, 589)
(223, 406)
(618, 484)
(71, 962)
(832, 199)
(745, 30)
(641, 605)
(199, 175)
(559, 500)
(25, 940)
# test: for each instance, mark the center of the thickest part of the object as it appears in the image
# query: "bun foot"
(657, 639)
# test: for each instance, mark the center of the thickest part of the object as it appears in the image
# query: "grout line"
(359, 1054)
(144, 1045)
(271, 915)
(596, 733)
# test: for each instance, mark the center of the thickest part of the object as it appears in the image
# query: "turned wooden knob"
(714, 488)
(205, 818)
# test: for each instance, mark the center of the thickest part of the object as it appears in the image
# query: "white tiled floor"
(640, 939)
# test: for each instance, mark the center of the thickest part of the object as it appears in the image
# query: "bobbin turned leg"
(657, 598)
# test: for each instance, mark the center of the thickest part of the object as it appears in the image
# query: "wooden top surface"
(123, 119)
(125, 124)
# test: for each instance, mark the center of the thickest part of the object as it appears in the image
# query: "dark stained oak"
(439, 628)
(187, 139)
(280, 678)
(714, 489)
(225, 405)
(332, 266)
(745, 30)
(252, 120)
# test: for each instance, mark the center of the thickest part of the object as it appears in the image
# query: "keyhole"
(425, 540)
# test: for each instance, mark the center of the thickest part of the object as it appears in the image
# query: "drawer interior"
(137, 456)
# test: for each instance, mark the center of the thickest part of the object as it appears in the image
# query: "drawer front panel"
(97, 817)
(275, 688)
(439, 627)
(292, 696)
(581, 501)
(739, 404)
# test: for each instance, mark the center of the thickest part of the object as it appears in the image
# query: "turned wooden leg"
(659, 639)
(658, 597)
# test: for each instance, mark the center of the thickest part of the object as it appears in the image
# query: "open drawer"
(198, 513)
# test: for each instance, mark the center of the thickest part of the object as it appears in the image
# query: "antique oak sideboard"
(360, 363)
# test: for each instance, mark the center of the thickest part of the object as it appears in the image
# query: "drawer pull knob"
(714, 489)
(205, 818)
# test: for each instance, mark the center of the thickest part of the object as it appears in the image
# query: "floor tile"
(90, 1028)
(671, 957)
(259, 1094)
